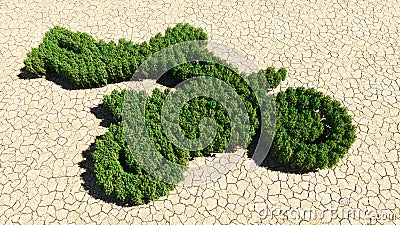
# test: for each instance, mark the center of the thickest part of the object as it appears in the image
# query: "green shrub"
(274, 78)
(118, 172)
(114, 102)
(312, 131)
(86, 62)
(230, 76)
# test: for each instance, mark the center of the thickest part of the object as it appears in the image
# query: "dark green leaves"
(313, 131)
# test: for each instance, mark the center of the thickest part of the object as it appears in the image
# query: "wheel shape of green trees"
(313, 131)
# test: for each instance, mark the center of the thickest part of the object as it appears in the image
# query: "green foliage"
(84, 61)
(114, 102)
(87, 62)
(274, 77)
(228, 76)
(118, 172)
(312, 131)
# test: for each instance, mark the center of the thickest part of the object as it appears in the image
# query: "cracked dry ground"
(347, 49)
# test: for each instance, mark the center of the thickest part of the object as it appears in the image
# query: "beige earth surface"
(347, 49)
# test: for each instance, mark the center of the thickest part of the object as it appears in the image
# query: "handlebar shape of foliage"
(313, 131)
(84, 61)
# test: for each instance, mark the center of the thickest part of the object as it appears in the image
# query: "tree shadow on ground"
(89, 178)
(101, 112)
(166, 79)
(61, 81)
(26, 75)
(53, 77)
(272, 163)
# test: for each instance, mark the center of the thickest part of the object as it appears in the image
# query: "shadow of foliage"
(101, 112)
(89, 177)
(53, 77)
(272, 163)
(58, 80)
(24, 74)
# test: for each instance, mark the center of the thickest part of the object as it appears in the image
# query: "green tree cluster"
(84, 61)
(190, 115)
(313, 131)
